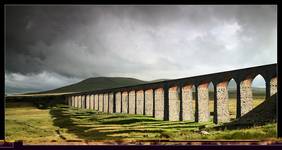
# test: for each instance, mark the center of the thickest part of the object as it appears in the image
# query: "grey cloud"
(147, 42)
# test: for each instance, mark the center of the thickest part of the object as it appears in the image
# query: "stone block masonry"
(132, 102)
(246, 96)
(187, 103)
(273, 86)
(203, 102)
(149, 102)
(174, 103)
(92, 102)
(75, 101)
(83, 101)
(140, 102)
(106, 101)
(87, 102)
(96, 101)
(118, 102)
(111, 102)
(101, 101)
(159, 103)
(79, 102)
(221, 112)
(125, 102)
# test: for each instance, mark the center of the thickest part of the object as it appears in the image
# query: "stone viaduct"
(172, 99)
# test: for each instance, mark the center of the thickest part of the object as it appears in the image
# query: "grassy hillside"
(96, 84)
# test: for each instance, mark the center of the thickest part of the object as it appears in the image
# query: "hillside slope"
(97, 83)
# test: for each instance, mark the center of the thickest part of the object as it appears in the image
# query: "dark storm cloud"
(146, 42)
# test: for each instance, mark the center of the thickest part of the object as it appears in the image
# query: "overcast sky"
(51, 46)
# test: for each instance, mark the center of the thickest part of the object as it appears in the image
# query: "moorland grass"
(61, 123)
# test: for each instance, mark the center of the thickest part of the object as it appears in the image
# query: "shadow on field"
(88, 125)
(260, 115)
(63, 119)
(128, 121)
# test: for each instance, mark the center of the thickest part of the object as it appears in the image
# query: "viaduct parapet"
(173, 100)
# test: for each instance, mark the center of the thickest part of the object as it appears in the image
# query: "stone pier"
(203, 113)
(75, 101)
(149, 102)
(79, 101)
(159, 103)
(246, 96)
(72, 101)
(221, 112)
(82, 101)
(87, 102)
(118, 102)
(140, 102)
(174, 103)
(96, 101)
(273, 86)
(187, 103)
(106, 101)
(101, 102)
(111, 102)
(125, 102)
(92, 101)
(132, 102)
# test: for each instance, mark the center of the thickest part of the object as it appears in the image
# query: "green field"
(61, 123)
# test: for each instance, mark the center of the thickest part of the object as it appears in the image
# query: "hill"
(96, 84)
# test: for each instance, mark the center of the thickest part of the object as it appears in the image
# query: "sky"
(55, 45)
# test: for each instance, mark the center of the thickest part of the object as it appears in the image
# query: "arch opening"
(258, 90)
(211, 100)
(232, 99)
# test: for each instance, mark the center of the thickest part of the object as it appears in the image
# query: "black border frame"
(164, 2)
